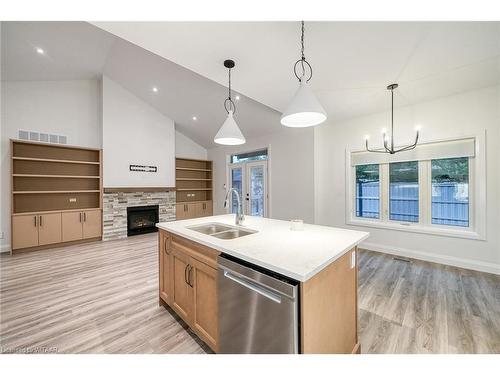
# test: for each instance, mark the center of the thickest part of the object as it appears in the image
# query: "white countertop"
(296, 254)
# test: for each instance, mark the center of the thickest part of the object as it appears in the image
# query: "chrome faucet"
(239, 212)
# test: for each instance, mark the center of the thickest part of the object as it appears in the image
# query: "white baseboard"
(475, 265)
(5, 248)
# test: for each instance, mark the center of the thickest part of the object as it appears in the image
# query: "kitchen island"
(322, 261)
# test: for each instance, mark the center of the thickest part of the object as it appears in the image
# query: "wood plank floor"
(103, 298)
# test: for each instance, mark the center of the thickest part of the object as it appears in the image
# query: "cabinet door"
(165, 259)
(181, 211)
(72, 226)
(181, 294)
(49, 229)
(205, 308)
(92, 224)
(24, 231)
(206, 208)
(192, 210)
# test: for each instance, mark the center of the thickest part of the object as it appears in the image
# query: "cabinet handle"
(40, 220)
(35, 220)
(165, 245)
(185, 274)
(189, 276)
(80, 217)
(84, 216)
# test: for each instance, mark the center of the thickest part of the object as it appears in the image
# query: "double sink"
(222, 231)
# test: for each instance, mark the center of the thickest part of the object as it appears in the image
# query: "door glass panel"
(257, 193)
(403, 191)
(237, 183)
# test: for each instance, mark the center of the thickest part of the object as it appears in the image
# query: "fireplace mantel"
(138, 189)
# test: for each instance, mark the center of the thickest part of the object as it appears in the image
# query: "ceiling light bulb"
(418, 128)
(367, 137)
(155, 89)
(237, 97)
(195, 118)
(40, 50)
(384, 130)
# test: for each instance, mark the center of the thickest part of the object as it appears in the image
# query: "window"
(403, 191)
(450, 192)
(368, 191)
(437, 188)
(249, 156)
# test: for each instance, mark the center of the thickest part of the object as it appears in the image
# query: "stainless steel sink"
(231, 234)
(210, 228)
(222, 231)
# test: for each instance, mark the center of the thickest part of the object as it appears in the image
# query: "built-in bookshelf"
(49, 180)
(193, 187)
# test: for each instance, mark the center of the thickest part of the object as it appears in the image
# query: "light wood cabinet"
(24, 231)
(36, 230)
(204, 209)
(165, 262)
(92, 224)
(81, 225)
(205, 311)
(49, 229)
(71, 226)
(192, 287)
(181, 289)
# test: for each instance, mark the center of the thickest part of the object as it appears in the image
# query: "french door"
(250, 179)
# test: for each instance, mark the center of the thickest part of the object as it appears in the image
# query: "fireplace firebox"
(142, 219)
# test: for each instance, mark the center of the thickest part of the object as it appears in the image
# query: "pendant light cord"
(303, 62)
(392, 119)
(232, 106)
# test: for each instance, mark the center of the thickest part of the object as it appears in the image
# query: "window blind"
(425, 151)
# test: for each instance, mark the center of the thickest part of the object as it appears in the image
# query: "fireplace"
(142, 219)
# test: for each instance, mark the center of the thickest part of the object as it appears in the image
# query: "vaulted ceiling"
(352, 61)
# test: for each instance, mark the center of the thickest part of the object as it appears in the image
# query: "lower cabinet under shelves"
(188, 284)
(191, 210)
(40, 229)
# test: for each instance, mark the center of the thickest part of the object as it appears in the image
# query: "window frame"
(477, 198)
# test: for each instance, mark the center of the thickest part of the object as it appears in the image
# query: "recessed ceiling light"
(237, 97)
(195, 118)
(40, 50)
(155, 89)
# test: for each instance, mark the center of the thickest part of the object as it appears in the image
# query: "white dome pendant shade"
(304, 110)
(229, 133)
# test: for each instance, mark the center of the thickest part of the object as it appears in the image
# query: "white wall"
(464, 114)
(291, 172)
(60, 107)
(187, 148)
(135, 133)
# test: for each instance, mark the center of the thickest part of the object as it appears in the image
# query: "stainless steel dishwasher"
(258, 309)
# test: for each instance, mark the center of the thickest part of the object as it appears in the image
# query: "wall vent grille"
(29, 135)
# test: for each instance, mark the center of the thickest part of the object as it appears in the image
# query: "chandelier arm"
(368, 149)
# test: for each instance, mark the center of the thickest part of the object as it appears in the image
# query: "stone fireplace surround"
(115, 205)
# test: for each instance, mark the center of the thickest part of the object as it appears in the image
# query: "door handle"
(40, 220)
(256, 288)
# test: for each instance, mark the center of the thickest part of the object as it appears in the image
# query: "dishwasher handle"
(256, 288)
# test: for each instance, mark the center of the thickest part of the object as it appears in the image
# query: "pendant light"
(304, 109)
(391, 150)
(229, 133)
